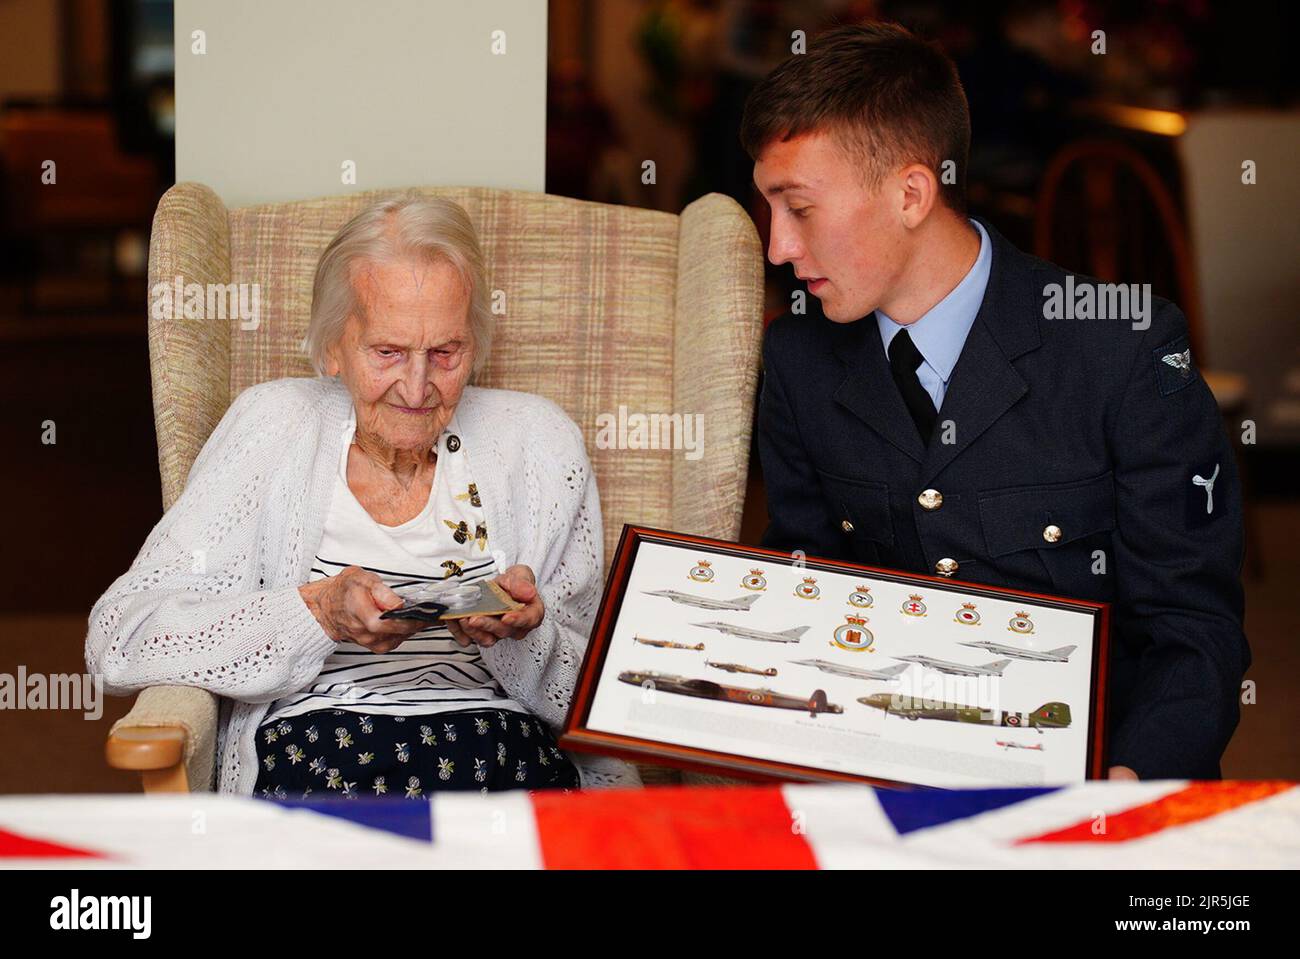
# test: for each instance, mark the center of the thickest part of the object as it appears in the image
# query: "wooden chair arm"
(156, 752)
(169, 737)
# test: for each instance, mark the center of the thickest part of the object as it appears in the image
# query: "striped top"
(429, 673)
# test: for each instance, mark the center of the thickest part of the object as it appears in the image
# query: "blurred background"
(1170, 159)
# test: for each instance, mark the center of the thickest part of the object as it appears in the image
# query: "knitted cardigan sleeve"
(191, 611)
(560, 535)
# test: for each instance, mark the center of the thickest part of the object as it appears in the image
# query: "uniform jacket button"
(946, 566)
(846, 526)
(930, 499)
(1052, 534)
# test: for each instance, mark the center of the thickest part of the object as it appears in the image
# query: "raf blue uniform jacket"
(1081, 424)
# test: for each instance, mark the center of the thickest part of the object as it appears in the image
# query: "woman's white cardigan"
(212, 598)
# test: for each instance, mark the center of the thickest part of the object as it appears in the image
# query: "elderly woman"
(315, 500)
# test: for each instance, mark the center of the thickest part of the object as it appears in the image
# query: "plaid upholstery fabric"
(605, 306)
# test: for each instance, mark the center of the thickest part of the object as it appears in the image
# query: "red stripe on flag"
(1191, 804)
(14, 846)
(670, 827)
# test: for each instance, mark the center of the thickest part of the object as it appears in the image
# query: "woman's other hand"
(347, 606)
(521, 584)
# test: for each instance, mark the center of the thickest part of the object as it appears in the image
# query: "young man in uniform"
(932, 411)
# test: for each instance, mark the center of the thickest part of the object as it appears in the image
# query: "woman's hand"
(521, 584)
(347, 606)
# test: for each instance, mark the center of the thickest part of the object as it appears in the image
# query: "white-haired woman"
(316, 499)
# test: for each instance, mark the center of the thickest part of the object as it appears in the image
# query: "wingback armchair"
(604, 306)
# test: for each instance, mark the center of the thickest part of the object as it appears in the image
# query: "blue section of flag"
(413, 820)
(910, 810)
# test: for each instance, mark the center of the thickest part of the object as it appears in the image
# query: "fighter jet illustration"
(889, 674)
(739, 604)
(762, 635)
(1047, 716)
(958, 669)
(1061, 654)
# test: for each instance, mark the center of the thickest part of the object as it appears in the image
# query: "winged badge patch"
(1182, 362)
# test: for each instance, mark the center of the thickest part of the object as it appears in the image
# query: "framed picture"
(714, 656)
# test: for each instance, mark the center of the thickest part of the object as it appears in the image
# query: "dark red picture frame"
(576, 736)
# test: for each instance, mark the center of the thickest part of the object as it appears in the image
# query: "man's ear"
(920, 190)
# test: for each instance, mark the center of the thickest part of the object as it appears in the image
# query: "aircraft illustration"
(739, 604)
(1047, 716)
(958, 669)
(707, 689)
(741, 668)
(888, 674)
(666, 644)
(762, 635)
(1009, 745)
(1061, 654)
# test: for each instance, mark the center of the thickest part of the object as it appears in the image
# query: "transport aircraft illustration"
(1047, 716)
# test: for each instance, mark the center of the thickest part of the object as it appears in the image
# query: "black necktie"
(904, 358)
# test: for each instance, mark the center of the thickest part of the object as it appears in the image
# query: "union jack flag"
(1100, 825)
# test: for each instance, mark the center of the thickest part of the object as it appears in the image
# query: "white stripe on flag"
(471, 831)
(205, 831)
(846, 828)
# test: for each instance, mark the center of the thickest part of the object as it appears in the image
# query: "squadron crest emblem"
(861, 597)
(808, 589)
(1020, 623)
(702, 572)
(854, 635)
(913, 607)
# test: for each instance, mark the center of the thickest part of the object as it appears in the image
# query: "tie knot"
(903, 354)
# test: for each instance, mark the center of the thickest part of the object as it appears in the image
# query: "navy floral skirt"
(336, 753)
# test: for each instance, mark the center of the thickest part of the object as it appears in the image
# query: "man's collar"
(941, 332)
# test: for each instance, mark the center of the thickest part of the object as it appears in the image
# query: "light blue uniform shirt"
(941, 332)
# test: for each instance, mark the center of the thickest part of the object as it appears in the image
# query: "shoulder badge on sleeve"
(1206, 495)
(1174, 368)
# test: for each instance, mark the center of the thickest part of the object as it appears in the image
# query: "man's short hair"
(888, 97)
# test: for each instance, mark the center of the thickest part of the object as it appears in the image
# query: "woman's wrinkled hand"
(521, 584)
(347, 606)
